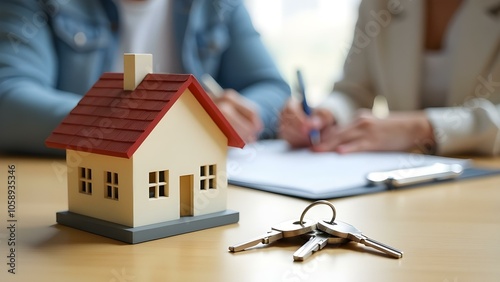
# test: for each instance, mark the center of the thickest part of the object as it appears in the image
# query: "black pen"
(314, 133)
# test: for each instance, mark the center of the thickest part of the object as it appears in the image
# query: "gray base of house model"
(140, 234)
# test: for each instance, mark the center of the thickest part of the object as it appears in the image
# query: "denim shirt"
(53, 51)
(84, 39)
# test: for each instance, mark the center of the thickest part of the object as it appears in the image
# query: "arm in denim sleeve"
(248, 68)
(30, 106)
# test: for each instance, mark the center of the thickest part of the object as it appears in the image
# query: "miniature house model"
(146, 156)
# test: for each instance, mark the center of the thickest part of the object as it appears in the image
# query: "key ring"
(319, 203)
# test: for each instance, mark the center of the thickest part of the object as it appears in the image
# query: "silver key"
(286, 229)
(317, 241)
(345, 230)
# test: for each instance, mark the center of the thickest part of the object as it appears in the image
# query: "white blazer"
(386, 58)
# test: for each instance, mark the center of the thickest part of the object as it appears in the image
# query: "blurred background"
(313, 35)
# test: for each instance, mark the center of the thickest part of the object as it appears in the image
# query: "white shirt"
(434, 79)
(147, 27)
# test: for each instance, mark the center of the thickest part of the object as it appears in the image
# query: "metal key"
(286, 229)
(345, 230)
(317, 241)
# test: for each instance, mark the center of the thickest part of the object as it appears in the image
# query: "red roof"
(111, 121)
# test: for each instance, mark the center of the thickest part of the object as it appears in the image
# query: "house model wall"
(145, 150)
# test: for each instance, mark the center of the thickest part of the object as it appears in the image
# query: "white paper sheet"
(272, 166)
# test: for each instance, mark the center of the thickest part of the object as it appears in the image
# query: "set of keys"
(319, 234)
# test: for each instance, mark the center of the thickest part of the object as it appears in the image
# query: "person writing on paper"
(436, 62)
(52, 52)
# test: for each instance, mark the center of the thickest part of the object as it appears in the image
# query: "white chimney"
(135, 68)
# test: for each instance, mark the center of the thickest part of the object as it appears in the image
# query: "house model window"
(158, 184)
(85, 180)
(111, 185)
(207, 177)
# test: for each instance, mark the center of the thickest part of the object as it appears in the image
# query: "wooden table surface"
(449, 232)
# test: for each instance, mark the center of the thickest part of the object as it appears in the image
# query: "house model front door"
(186, 195)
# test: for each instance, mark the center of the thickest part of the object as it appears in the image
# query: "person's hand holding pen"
(296, 126)
(239, 111)
(299, 124)
(370, 130)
